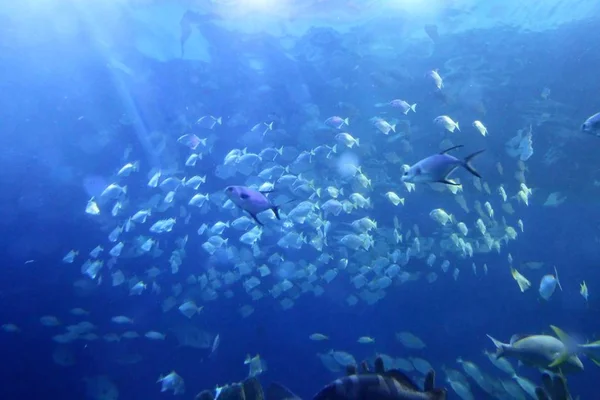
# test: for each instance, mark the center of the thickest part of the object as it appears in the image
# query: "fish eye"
(244, 196)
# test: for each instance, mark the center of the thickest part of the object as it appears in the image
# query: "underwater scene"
(300, 199)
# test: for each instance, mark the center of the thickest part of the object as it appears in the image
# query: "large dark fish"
(437, 167)
(393, 385)
(592, 125)
(366, 385)
(250, 200)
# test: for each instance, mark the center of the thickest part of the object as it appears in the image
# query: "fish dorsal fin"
(429, 383)
(364, 368)
(402, 379)
(351, 369)
(516, 337)
(276, 391)
(379, 366)
(451, 148)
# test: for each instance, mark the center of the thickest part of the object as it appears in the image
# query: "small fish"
(404, 106)
(548, 285)
(250, 200)
(437, 167)
(318, 337)
(129, 168)
(523, 282)
(337, 122)
(70, 257)
(113, 191)
(153, 335)
(447, 123)
(347, 140)
(592, 125)
(365, 340)
(190, 140)
(480, 127)
(121, 319)
(209, 122)
(436, 78)
(92, 207)
(215, 345)
(172, 382)
(583, 290)
(383, 126)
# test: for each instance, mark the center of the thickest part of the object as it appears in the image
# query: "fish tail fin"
(457, 127)
(557, 280)
(499, 347)
(414, 108)
(357, 142)
(393, 128)
(347, 121)
(467, 163)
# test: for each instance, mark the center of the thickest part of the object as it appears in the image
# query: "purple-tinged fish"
(250, 200)
(337, 122)
(190, 140)
(438, 167)
(404, 106)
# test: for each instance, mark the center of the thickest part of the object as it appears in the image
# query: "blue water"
(60, 111)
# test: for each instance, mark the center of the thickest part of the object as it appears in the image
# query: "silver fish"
(592, 125)
(250, 200)
(437, 167)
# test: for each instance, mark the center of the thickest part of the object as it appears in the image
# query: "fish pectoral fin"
(255, 219)
(276, 211)
(448, 182)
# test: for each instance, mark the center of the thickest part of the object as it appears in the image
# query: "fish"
(548, 285)
(554, 387)
(592, 125)
(252, 201)
(438, 167)
(539, 351)
(583, 290)
(392, 385)
(434, 76)
(378, 384)
(573, 348)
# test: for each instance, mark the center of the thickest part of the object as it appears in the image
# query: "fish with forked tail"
(250, 200)
(438, 167)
